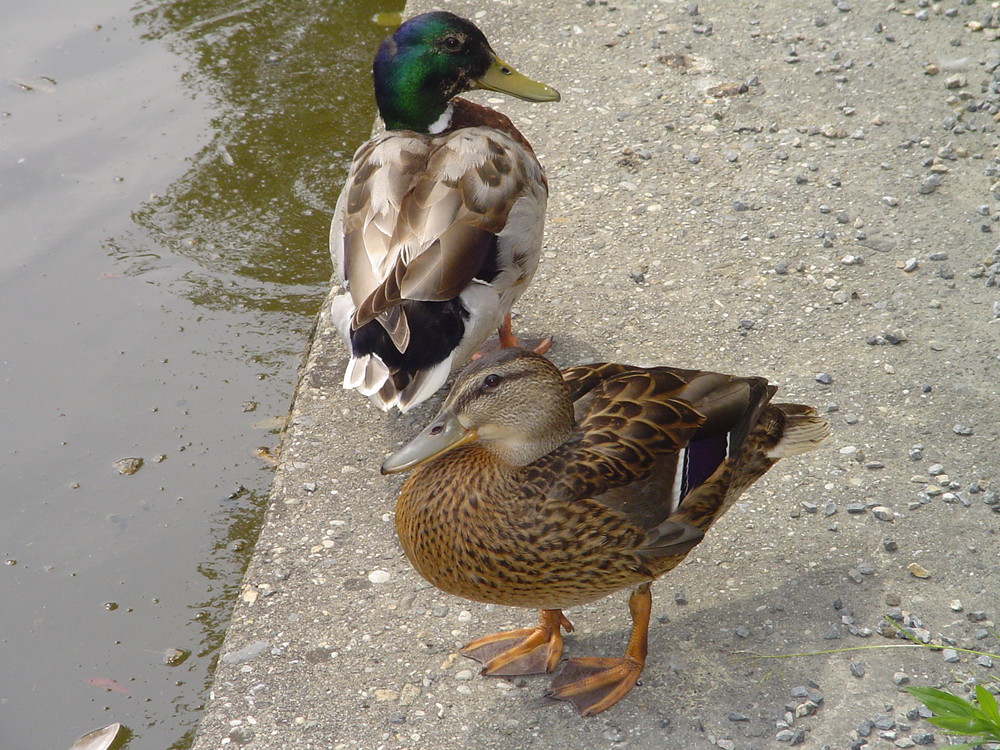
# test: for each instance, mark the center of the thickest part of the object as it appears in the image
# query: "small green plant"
(960, 716)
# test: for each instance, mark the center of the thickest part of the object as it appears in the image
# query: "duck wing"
(646, 438)
(420, 216)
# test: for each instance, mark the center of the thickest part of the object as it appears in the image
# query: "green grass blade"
(966, 725)
(959, 715)
(988, 705)
(943, 703)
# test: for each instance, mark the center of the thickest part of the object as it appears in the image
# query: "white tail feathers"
(803, 433)
(424, 384)
(371, 377)
(367, 374)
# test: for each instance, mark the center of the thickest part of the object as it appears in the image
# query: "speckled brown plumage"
(555, 506)
(526, 552)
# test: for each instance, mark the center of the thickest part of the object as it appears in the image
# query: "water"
(167, 172)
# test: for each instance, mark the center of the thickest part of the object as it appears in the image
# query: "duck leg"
(596, 683)
(508, 339)
(525, 651)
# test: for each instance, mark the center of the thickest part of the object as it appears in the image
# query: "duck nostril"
(505, 71)
(436, 429)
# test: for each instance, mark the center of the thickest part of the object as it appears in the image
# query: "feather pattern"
(439, 226)
(425, 218)
(535, 488)
(597, 512)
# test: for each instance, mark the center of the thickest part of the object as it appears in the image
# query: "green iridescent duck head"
(434, 57)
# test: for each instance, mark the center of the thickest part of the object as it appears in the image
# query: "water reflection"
(242, 236)
(292, 87)
(166, 325)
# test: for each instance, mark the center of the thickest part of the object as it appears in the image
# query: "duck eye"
(452, 43)
(491, 381)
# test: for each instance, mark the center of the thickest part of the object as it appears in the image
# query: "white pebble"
(379, 576)
(882, 513)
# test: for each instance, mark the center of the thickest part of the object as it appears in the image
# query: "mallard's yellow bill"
(502, 77)
(440, 436)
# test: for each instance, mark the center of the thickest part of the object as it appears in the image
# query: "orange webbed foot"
(525, 651)
(507, 340)
(595, 684)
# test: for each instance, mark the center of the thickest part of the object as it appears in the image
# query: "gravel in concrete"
(758, 188)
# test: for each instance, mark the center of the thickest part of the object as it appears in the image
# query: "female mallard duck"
(535, 488)
(439, 226)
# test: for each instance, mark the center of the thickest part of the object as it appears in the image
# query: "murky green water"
(167, 171)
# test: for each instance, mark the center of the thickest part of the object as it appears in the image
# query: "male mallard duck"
(439, 226)
(535, 488)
